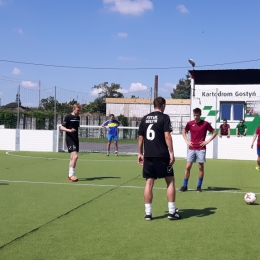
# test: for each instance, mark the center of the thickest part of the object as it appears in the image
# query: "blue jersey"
(112, 126)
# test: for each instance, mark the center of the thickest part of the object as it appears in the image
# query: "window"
(232, 110)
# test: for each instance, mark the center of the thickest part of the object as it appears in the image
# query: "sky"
(76, 44)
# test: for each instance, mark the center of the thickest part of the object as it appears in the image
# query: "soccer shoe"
(175, 215)
(107, 154)
(257, 168)
(73, 178)
(199, 189)
(183, 188)
(148, 217)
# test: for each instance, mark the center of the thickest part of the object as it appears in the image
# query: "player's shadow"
(210, 188)
(188, 213)
(4, 183)
(97, 178)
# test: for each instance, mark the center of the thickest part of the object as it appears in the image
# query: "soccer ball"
(250, 198)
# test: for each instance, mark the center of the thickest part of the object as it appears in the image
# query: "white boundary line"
(113, 185)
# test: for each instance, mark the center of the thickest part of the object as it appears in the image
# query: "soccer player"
(256, 135)
(158, 157)
(241, 129)
(197, 146)
(224, 129)
(70, 126)
(112, 125)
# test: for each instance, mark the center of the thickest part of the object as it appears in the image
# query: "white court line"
(112, 185)
(63, 159)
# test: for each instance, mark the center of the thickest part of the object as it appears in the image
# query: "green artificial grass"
(44, 216)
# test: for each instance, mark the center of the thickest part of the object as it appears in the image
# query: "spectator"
(257, 135)
(224, 129)
(241, 129)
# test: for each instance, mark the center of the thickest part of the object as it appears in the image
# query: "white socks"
(171, 207)
(71, 171)
(148, 209)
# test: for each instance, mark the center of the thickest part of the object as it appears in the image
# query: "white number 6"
(150, 134)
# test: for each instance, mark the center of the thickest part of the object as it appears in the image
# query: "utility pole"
(39, 93)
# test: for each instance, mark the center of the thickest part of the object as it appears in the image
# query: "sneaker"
(116, 153)
(175, 215)
(183, 188)
(73, 178)
(107, 154)
(257, 168)
(148, 217)
(199, 189)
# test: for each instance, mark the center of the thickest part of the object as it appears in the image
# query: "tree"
(182, 90)
(105, 91)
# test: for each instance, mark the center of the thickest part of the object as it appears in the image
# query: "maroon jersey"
(257, 132)
(198, 132)
(224, 129)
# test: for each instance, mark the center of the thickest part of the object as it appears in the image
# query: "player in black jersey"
(70, 126)
(158, 156)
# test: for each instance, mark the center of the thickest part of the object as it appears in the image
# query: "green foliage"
(182, 90)
(8, 118)
(99, 104)
(123, 120)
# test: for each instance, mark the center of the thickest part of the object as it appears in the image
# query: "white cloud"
(29, 84)
(170, 85)
(95, 91)
(122, 35)
(182, 9)
(132, 7)
(16, 71)
(133, 88)
(20, 31)
(126, 58)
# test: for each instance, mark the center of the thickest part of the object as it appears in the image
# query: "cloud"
(2, 2)
(132, 7)
(122, 35)
(182, 9)
(170, 85)
(95, 91)
(20, 31)
(126, 58)
(16, 71)
(29, 84)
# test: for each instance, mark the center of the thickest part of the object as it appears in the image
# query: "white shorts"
(199, 155)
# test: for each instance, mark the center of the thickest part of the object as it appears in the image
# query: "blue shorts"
(199, 155)
(110, 137)
(258, 151)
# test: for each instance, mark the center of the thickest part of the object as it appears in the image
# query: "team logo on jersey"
(169, 169)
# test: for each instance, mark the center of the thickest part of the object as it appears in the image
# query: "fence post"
(55, 110)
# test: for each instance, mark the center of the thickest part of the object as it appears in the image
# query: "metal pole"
(216, 108)
(39, 93)
(55, 117)
(151, 93)
(18, 108)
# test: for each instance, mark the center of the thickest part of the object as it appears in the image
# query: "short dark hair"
(197, 111)
(159, 102)
(111, 115)
(225, 120)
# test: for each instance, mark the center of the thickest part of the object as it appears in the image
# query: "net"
(94, 139)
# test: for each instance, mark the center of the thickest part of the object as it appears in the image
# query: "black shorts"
(157, 167)
(73, 145)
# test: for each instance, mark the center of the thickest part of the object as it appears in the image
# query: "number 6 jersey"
(152, 128)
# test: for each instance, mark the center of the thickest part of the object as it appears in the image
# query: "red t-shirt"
(198, 132)
(257, 132)
(224, 129)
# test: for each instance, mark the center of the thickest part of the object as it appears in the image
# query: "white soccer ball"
(250, 198)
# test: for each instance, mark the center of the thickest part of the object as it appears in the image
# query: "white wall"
(237, 148)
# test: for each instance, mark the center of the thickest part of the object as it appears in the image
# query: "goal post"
(93, 138)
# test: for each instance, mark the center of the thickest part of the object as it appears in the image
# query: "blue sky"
(122, 41)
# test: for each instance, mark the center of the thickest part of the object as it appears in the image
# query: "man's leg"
(171, 195)
(72, 166)
(116, 147)
(148, 198)
(108, 147)
(186, 176)
(201, 175)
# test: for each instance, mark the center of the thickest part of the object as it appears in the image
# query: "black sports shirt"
(70, 122)
(152, 128)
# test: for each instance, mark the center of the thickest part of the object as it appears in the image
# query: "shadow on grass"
(4, 183)
(187, 213)
(220, 189)
(97, 178)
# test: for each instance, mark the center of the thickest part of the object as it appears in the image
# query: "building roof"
(145, 101)
(226, 77)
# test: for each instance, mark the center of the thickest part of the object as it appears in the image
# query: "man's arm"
(184, 134)
(168, 140)
(63, 128)
(245, 130)
(214, 134)
(140, 150)
(219, 132)
(228, 131)
(254, 137)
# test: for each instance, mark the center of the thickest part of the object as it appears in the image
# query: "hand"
(140, 159)
(228, 136)
(72, 130)
(203, 143)
(252, 145)
(189, 143)
(220, 135)
(172, 159)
